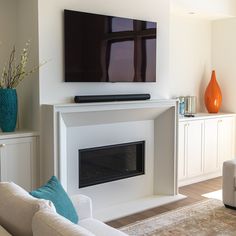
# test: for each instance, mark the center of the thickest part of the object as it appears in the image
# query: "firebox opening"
(108, 163)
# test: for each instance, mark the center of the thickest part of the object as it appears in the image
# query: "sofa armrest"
(83, 206)
(47, 222)
(228, 187)
(3, 232)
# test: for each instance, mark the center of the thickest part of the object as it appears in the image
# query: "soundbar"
(111, 98)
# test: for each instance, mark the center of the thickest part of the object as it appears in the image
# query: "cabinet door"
(225, 139)
(195, 148)
(211, 146)
(182, 150)
(17, 158)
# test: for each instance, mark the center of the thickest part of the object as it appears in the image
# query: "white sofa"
(23, 215)
(229, 183)
(3, 232)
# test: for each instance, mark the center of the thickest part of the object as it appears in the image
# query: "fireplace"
(108, 163)
(74, 127)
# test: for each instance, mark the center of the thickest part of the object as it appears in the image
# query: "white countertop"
(199, 116)
(18, 134)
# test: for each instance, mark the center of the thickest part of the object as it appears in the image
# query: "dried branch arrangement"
(14, 73)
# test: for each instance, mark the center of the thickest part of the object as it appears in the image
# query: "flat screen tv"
(100, 48)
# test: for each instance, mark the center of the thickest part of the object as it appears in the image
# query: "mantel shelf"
(74, 107)
(74, 115)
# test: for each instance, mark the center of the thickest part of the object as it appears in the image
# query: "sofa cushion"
(99, 228)
(3, 232)
(54, 192)
(17, 209)
(47, 222)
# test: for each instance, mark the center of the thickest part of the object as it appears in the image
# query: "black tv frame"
(98, 70)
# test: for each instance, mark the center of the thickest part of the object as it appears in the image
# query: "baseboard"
(200, 178)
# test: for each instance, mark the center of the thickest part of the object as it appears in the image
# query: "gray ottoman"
(229, 184)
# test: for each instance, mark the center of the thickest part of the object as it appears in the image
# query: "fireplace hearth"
(108, 163)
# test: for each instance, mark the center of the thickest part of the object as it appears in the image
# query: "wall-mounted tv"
(100, 48)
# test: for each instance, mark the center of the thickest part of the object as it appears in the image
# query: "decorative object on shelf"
(213, 96)
(8, 109)
(181, 105)
(190, 106)
(12, 75)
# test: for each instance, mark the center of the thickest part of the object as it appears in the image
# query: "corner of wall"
(28, 90)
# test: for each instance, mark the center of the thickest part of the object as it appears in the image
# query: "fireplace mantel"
(59, 121)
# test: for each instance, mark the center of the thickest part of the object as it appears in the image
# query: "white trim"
(204, 116)
(18, 134)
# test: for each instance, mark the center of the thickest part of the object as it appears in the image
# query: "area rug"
(206, 218)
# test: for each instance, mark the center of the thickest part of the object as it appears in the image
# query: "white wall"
(18, 23)
(7, 30)
(224, 60)
(184, 50)
(187, 50)
(52, 87)
(28, 89)
(190, 60)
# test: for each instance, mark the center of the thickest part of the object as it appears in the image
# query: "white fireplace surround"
(70, 127)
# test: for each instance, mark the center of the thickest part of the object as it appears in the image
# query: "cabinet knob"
(2, 145)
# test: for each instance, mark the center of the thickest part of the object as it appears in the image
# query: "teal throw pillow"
(54, 192)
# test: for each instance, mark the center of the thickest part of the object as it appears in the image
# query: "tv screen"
(101, 48)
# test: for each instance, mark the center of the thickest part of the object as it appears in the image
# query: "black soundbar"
(111, 98)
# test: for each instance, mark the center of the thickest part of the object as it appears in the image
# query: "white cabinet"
(18, 159)
(182, 150)
(211, 161)
(190, 149)
(194, 158)
(226, 142)
(204, 143)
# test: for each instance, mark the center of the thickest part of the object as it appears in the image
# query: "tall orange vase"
(213, 96)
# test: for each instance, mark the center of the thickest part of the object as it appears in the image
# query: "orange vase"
(213, 96)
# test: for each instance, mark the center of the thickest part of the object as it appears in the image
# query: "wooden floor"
(193, 193)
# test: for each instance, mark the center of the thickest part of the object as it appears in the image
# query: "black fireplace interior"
(108, 163)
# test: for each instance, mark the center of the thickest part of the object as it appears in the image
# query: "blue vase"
(8, 109)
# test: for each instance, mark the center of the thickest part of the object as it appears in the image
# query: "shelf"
(18, 134)
(200, 116)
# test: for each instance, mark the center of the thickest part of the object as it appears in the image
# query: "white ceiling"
(209, 9)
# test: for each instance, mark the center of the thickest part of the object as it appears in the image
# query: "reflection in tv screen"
(101, 48)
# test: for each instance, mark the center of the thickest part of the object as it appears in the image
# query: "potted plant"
(13, 73)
